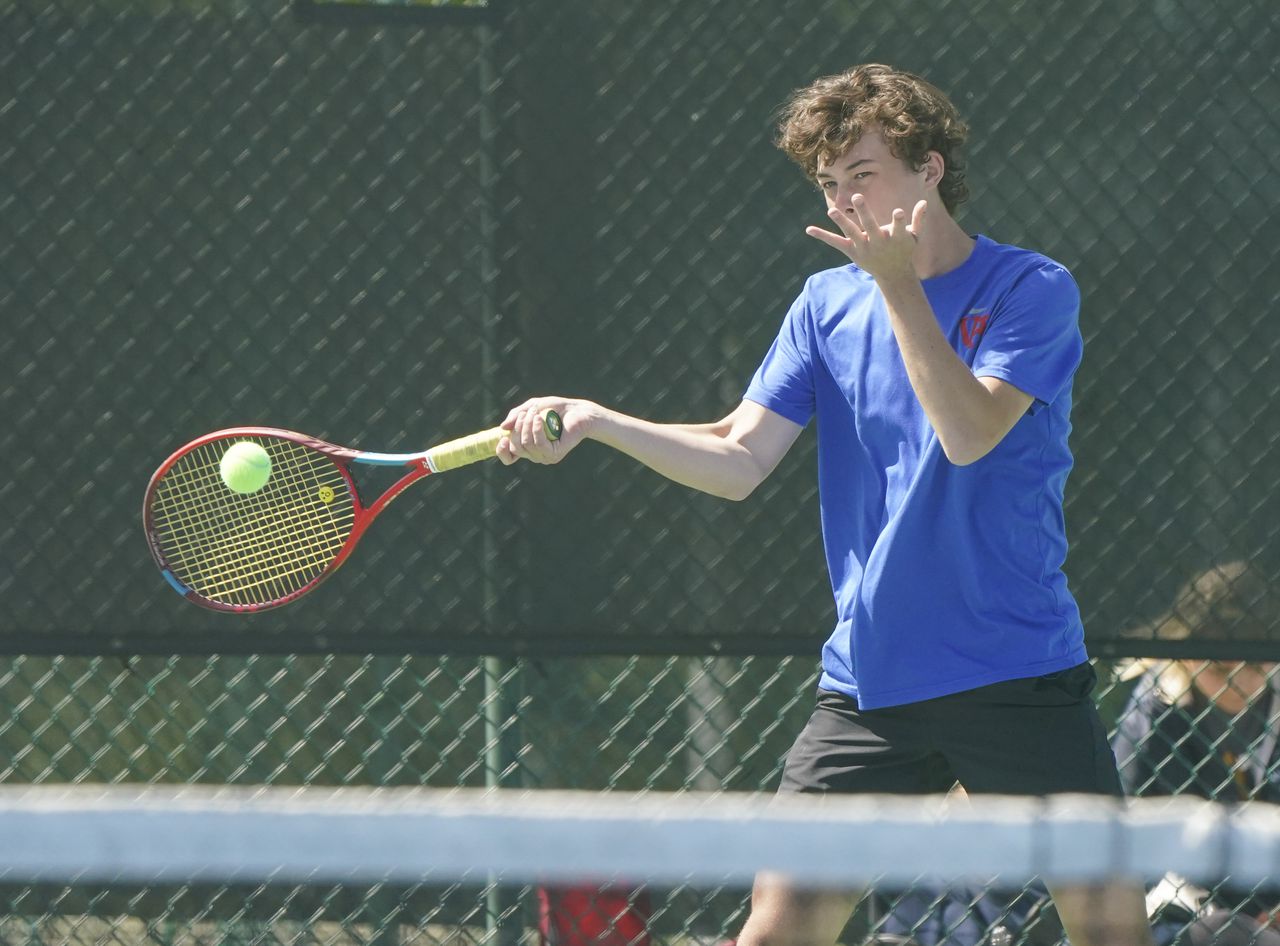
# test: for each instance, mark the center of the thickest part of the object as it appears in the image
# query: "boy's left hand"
(885, 252)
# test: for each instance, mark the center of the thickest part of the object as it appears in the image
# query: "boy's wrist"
(900, 285)
(597, 422)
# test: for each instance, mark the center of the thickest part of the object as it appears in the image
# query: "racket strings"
(258, 547)
(244, 567)
(213, 495)
(251, 549)
(275, 543)
(222, 551)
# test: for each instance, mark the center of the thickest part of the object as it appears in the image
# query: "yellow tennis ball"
(245, 467)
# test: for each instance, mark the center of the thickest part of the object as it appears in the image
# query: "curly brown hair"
(826, 119)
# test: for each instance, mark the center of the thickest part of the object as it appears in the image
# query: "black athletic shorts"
(1033, 736)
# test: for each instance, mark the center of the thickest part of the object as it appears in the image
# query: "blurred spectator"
(1208, 728)
(968, 916)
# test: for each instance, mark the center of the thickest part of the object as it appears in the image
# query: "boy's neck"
(945, 246)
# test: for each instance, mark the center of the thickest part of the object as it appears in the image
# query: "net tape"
(155, 834)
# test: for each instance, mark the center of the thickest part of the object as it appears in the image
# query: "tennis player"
(939, 368)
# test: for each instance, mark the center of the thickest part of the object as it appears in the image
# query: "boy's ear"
(934, 168)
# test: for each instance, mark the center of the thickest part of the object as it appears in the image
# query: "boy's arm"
(727, 458)
(970, 415)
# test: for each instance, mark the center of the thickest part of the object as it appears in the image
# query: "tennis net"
(460, 866)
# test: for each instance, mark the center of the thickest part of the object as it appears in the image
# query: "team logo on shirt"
(973, 325)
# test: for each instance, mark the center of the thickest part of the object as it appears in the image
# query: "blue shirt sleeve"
(784, 381)
(1033, 341)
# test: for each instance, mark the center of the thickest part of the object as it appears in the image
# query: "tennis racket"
(245, 552)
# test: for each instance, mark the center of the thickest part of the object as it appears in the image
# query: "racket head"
(244, 552)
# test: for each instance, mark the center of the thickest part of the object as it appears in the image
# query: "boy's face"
(884, 180)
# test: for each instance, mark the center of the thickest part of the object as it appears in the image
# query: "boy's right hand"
(527, 438)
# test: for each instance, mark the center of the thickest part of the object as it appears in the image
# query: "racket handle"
(476, 447)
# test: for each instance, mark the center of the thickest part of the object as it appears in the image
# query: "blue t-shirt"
(946, 577)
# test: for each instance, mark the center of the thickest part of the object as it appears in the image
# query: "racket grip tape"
(481, 446)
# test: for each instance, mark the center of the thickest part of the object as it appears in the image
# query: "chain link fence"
(635, 723)
(385, 225)
(384, 236)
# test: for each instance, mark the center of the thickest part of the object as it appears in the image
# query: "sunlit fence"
(384, 226)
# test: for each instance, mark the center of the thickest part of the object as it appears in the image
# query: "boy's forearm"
(958, 405)
(700, 456)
